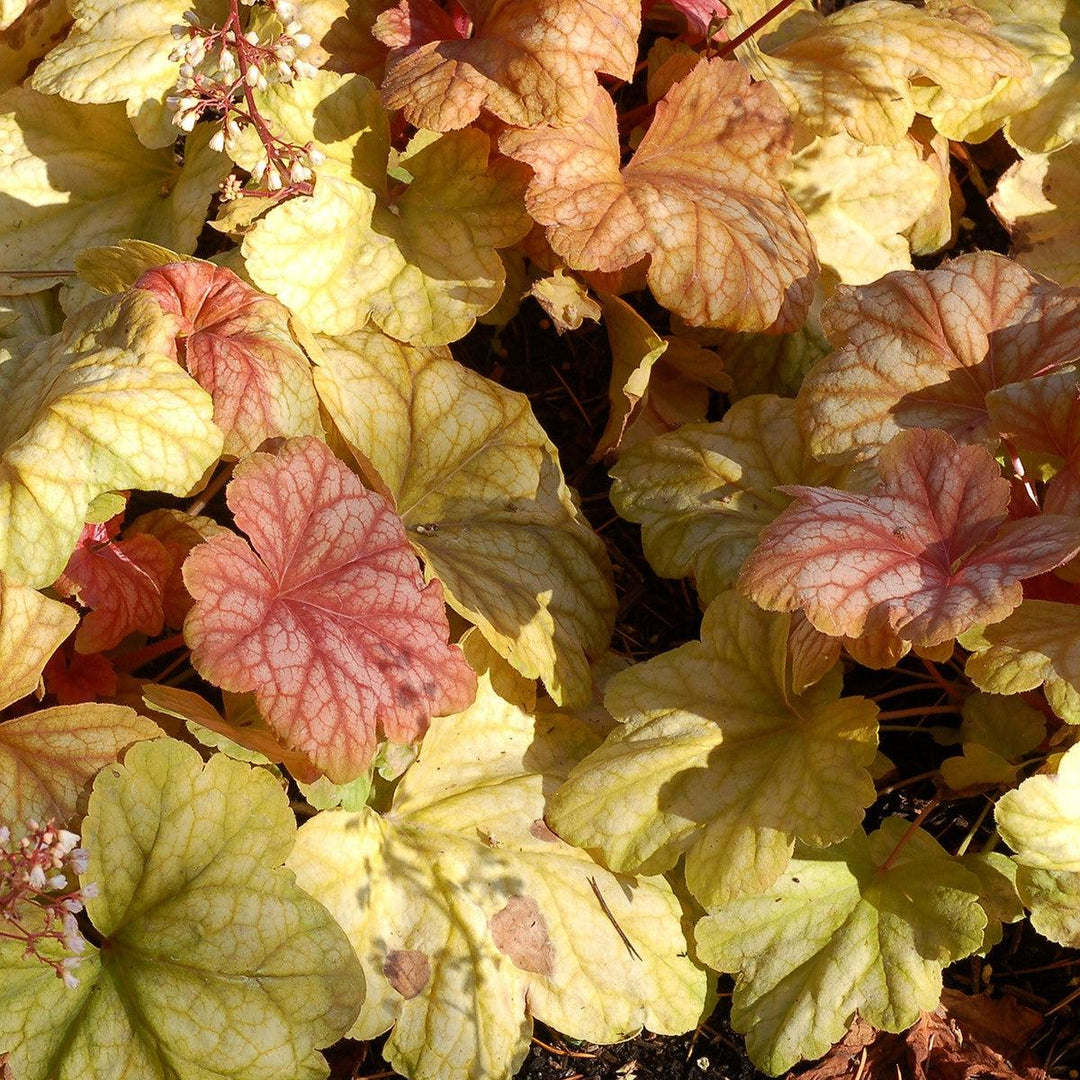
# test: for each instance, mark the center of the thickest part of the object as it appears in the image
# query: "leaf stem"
(730, 46)
(922, 710)
(132, 661)
(924, 813)
(199, 503)
(970, 835)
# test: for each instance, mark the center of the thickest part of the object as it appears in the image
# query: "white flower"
(37, 877)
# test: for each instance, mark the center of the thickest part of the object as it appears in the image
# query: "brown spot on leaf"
(540, 830)
(407, 971)
(520, 932)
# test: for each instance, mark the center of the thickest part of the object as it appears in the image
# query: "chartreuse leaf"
(1040, 821)
(527, 61)
(49, 757)
(927, 556)
(423, 263)
(470, 917)
(703, 493)
(214, 963)
(75, 176)
(479, 487)
(324, 614)
(858, 927)
(101, 406)
(700, 197)
(853, 70)
(715, 757)
(924, 348)
(1038, 199)
(27, 32)
(341, 37)
(1038, 645)
(32, 628)
(1040, 111)
(120, 52)
(996, 732)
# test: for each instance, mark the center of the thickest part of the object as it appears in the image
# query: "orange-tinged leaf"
(700, 196)
(325, 619)
(32, 628)
(924, 348)
(179, 532)
(122, 582)
(527, 61)
(49, 757)
(236, 344)
(927, 555)
(77, 678)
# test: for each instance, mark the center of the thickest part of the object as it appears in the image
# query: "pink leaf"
(236, 343)
(926, 556)
(327, 619)
(122, 582)
(698, 13)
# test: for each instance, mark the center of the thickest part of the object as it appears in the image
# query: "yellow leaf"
(49, 757)
(25, 39)
(565, 300)
(470, 917)
(853, 70)
(479, 487)
(75, 176)
(101, 406)
(32, 628)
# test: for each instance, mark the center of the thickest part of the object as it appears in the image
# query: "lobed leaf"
(703, 494)
(32, 627)
(99, 407)
(865, 926)
(717, 758)
(479, 488)
(470, 917)
(75, 176)
(214, 964)
(323, 614)
(700, 197)
(237, 345)
(925, 557)
(529, 62)
(854, 70)
(924, 348)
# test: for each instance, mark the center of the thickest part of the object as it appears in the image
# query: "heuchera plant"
(270, 553)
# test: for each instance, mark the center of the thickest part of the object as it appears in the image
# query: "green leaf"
(842, 933)
(718, 759)
(102, 406)
(214, 964)
(470, 917)
(997, 731)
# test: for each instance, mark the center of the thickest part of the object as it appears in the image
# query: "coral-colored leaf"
(927, 555)
(121, 581)
(924, 348)
(700, 195)
(528, 61)
(325, 619)
(77, 678)
(236, 344)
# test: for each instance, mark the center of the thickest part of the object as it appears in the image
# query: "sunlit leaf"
(28, 37)
(470, 917)
(325, 619)
(853, 70)
(49, 757)
(99, 407)
(214, 965)
(865, 926)
(341, 35)
(236, 344)
(1038, 199)
(927, 555)
(729, 777)
(478, 485)
(924, 348)
(1040, 821)
(527, 61)
(700, 196)
(75, 176)
(703, 493)
(31, 629)
(423, 263)
(565, 300)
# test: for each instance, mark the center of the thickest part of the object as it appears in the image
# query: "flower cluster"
(39, 887)
(221, 67)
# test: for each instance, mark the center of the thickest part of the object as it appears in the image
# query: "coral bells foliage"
(282, 542)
